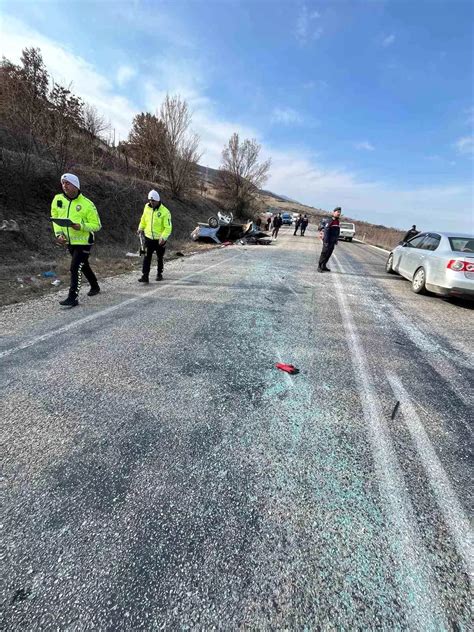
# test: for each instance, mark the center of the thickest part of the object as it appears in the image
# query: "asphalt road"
(161, 473)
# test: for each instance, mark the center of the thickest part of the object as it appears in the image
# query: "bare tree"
(93, 122)
(94, 126)
(181, 147)
(241, 174)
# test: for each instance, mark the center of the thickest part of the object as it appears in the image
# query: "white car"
(347, 231)
(442, 263)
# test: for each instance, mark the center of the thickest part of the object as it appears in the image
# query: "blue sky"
(365, 105)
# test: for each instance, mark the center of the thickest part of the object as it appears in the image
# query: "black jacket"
(331, 232)
(411, 233)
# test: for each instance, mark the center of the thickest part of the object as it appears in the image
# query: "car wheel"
(213, 222)
(418, 284)
(389, 264)
(350, 239)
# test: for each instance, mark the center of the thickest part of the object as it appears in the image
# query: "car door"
(431, 260)
(411, 256)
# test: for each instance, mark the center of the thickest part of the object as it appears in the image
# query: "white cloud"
(295, 172)
(465, 145)
(365, 145)
(304, 28)
(286, 116)
(298, 176)
(388, 40)
(124, 74)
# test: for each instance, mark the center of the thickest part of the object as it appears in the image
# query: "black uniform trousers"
(79, 266)
(326, 253)
(151, 246)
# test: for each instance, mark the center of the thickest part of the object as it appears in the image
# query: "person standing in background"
(304, 225)
(330, 237)
(411, 233)
(277, 222)
(297, 223)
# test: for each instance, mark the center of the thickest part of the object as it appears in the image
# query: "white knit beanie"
(154, 195)
(72, 179)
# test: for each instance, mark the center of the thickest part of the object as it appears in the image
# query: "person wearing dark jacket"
(411, 233)
(277, 222)
(330, 236)
(304, 225)
(298, 223)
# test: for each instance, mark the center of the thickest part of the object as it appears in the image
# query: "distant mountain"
(283, 198)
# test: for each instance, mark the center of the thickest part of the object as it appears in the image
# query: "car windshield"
(346, 225)
(462, 244)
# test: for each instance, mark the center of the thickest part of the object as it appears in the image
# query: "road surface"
(162, 474)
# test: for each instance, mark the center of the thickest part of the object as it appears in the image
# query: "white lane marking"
(370, 246)
(435, 355)
(417, 583)
(454, 516)
(108, 310)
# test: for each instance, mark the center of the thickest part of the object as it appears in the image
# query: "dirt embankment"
(30, 251)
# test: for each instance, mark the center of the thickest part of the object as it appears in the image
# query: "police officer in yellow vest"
(155, 224)
(77, 233)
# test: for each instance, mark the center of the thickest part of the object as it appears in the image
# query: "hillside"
(30, 251)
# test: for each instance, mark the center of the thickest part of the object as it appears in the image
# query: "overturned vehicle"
(222, 229)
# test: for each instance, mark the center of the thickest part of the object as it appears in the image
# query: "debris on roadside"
(10, 225)
(179, 254)
(288, 368)
(395, 410)
(56, 282)
(258, 238)
(132, 254)
(48, 274)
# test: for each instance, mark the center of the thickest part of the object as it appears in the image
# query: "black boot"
(70, 301)
(159, 277)
(93, 291)
(143, 280)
